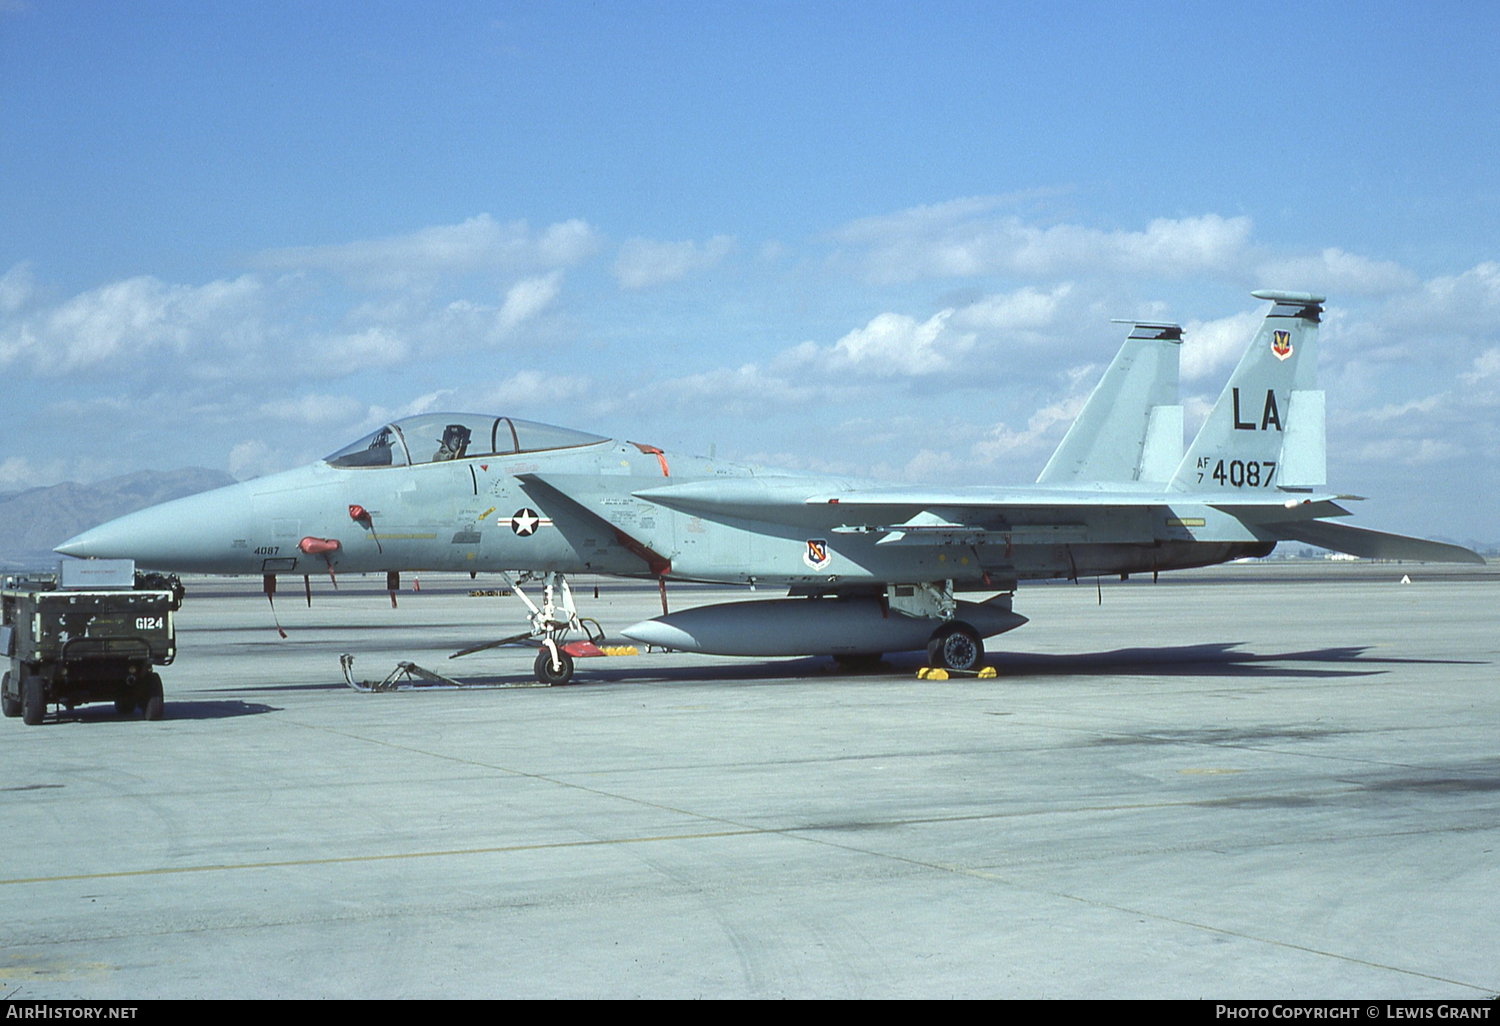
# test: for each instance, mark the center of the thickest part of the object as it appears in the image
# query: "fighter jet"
(869, 567)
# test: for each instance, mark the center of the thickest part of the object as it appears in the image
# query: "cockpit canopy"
(435, 437)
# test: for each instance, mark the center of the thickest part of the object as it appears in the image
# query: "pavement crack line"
(1159, 917)
(386, 857)
(738, 829)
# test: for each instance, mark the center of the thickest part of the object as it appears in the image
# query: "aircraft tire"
(956, 646)
(547, 675)
(10, 705)
(152, 693)
(33, 700)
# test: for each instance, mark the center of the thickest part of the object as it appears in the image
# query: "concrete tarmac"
(1251, 781)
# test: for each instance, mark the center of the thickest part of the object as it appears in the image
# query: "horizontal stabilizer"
(1359, 541)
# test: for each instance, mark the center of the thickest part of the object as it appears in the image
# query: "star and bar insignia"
(525, 521)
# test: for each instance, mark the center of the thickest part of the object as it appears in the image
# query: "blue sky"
(874, 238)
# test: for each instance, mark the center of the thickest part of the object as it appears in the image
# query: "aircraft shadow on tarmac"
(1219, 659)
(1216, 659)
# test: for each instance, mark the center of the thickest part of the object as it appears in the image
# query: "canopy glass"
(436, 437)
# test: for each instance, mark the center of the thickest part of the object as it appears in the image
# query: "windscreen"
(439, 437)
(380, 448)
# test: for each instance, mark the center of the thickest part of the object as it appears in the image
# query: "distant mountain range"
(35, 520)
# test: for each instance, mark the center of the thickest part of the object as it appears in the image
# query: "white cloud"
(422, 327)
(1044, 429)
(1024, 310)
(315, 409)
(773, 250)
(532, 390)
(527, 298)
(19, 472)
(894, 344)
(356, 351)
(961, 238)
(1467, 303)
(737, 391)
(127, 319)
(1398, 411)
(254, 458)
(1210, 347)
(926, 220)
(645, 262)
(427, 403)
(15, 287)
(1486, 366)
(937, 465)
(566, 243)
(1408, 452)
(247, 329)
(1336, 272)
(1195, 410)
(479, 244)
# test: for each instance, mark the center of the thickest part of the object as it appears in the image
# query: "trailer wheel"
(546, 674)
(9, 704)
(151, 690)
(955, 646)
(33, 700)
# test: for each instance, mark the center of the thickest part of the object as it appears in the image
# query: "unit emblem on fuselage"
(817, 555)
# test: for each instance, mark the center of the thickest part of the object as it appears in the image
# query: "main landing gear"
(956, 646)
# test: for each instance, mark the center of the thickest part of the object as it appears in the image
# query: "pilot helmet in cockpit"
(453, 444)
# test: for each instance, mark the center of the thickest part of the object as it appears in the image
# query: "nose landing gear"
(552, 624)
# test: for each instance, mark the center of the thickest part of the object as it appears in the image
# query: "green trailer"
(68, 644)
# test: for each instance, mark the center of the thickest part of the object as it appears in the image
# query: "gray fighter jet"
(870, 568)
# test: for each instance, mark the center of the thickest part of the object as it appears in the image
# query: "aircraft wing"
(795, 500)
(1360, 541)
(917, 514)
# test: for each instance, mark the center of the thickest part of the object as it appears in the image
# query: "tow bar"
(409, 676)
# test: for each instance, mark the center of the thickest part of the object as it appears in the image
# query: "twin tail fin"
(1266, 431)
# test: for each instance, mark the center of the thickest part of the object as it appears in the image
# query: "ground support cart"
(68, 646)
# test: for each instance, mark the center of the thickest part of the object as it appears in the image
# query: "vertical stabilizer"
(1124, 431)
(1247, 437)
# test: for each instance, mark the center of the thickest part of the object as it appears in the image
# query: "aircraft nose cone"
(90, 544)
(191, 534)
